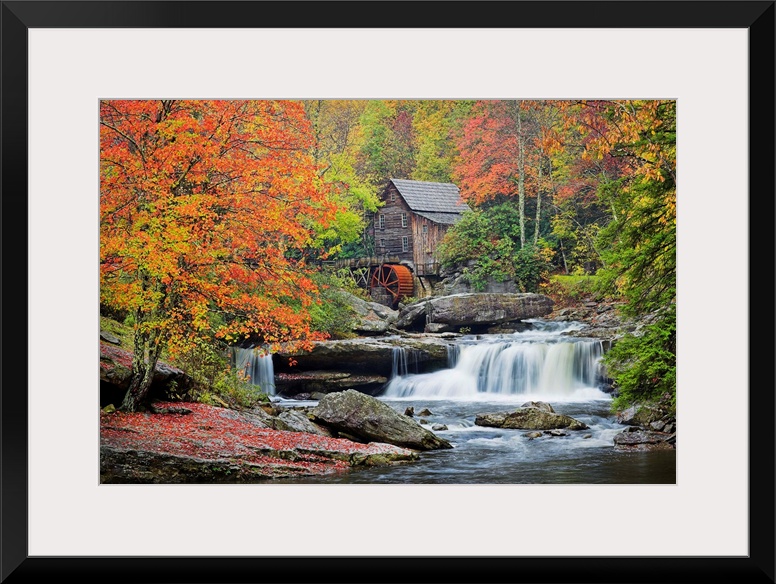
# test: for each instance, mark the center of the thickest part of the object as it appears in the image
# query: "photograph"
(388, 291)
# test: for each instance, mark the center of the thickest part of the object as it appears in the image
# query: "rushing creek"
(496, 373)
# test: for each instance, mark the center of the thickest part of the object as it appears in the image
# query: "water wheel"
(395, 279)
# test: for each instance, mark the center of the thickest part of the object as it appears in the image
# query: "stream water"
(498, 373)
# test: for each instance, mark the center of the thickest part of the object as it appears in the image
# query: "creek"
(496, 373)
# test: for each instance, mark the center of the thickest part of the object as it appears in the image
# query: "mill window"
(404, 220)
(405, 243)
(382, 221)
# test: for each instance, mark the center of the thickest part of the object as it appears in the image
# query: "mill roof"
(434, 198)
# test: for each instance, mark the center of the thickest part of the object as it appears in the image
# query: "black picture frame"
(18, 16)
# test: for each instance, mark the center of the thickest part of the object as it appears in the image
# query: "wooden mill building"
(407, 230)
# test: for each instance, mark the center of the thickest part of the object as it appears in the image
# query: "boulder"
(639, 415)
(556, 432)
(364, 416)
(485, 308)
(371, 318)
(109, 337)
(545, 407)
(473, 309)
(413, 316)
(529, 419)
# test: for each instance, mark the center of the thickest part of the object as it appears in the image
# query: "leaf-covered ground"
(217, 435)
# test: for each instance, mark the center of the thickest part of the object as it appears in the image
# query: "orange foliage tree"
(204, 206)
(503, 150)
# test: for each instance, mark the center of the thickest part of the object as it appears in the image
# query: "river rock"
(556, 432)
(367, 417)
(529, 419)
(438, 427)
(545, 407)
(412, 315)
(474, 308)
(109, 337)
(371, 318)
(639, 415)
(637, 439)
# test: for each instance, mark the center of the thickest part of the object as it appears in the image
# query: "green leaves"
(643, 365)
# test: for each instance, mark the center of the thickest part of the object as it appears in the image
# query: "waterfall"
(404, 362)
(257, 367)
(538, 363)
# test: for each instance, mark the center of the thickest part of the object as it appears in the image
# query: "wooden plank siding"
(426, 236)
(388, 238)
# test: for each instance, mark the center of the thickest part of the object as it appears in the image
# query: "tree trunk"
(521, 174)
(138, 387)
(538, 204)
(147, 347)
(563, 255)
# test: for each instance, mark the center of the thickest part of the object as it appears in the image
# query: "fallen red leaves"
(211, 433)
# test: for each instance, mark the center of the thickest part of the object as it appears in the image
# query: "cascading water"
(405, 362)
(498, 373)
(257, 367)
(539, 362)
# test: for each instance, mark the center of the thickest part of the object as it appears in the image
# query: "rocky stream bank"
(193, 442)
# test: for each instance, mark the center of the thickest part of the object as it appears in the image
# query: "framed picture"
(714, 59)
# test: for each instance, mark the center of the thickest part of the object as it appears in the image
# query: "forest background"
(216, 216)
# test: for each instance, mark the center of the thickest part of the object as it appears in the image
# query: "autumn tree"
(387, 148)
(639, 243)
(437, 126)
(202, 204)
(337, 140)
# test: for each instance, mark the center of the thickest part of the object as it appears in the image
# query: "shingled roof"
(432, 197)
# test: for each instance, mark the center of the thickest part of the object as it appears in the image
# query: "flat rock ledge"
(218, 445)
(638, 439)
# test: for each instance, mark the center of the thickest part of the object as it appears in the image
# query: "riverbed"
(498, 373)
(482, 455)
